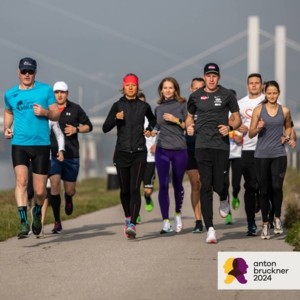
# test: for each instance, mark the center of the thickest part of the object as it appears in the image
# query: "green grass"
(292, 208)
(91, 195)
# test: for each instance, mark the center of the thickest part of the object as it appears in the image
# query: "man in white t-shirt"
(247, 104)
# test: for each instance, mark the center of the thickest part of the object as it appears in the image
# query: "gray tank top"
(269, 139)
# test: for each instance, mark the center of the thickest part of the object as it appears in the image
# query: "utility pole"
(280, 60)
(253, 44)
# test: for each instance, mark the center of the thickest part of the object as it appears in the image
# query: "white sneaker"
(178, 223)
(166, 227)
(211, 236)
(277, 226)
(224, 208)
(265, 232)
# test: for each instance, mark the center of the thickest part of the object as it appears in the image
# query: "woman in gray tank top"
(272, 123)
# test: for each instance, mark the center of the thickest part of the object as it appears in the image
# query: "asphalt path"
(91, 259)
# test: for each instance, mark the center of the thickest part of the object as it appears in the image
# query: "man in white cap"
(73, 120)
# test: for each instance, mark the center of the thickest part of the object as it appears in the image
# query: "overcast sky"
(94, 43)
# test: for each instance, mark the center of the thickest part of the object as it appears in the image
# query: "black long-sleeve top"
(74, 115)
(130, 130)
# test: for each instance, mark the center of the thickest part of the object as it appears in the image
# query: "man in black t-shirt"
(211, 105)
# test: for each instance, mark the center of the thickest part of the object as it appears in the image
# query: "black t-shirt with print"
(211, 110)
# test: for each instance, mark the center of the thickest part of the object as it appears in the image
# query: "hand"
(70, 129)
(260, 124)
(153, 148)
(39, 110)
(147, 133)
(169, 117)
(191, 129)
(224, 129)
(60, 156)
(153, 133)
(120, 115)
(292, 143)
(8, 133)
(243, 129)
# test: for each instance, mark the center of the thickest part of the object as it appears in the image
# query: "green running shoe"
(235, 203)
(228, 219)
(36, 222)
(24, 231)
(138, 220)
(149, 206)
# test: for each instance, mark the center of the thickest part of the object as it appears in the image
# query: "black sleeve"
(110, 121)
(84, 119)
(151, 118)
(191, 106)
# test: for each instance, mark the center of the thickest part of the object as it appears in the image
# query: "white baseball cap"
(60, 86)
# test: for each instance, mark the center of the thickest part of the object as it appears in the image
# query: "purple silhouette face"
(239, 269)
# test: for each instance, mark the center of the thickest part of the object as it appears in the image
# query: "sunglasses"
(24, 72)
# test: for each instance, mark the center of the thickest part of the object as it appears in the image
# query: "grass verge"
(292, 208)
(92, 195)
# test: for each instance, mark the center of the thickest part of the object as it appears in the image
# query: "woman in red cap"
(130, 157)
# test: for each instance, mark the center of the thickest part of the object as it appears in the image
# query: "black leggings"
(130, 179)
(270, 174)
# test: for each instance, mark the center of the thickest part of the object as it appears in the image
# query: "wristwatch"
(179, 122)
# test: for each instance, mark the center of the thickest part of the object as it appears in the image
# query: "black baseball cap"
(211, 68)
(27, 63)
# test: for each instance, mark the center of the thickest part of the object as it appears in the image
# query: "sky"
(92, 44)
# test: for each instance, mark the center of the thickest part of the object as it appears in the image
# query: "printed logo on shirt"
(218, 101)
(24, 106)
(204, 97)
(248, 112)
(68, 114)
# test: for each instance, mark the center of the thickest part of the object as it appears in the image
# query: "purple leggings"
(163, 159)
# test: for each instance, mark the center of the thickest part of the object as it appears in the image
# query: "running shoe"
(265, 232)
(57, 227)
(251, 229)
(277, 226)
(228, 219)
(224, 208)
(127, 222)
(24, 231)
(42, 234)
(130, 231)
(271, 223)
(235, 203)
(68, 206)
(211, 236)
(149, 206)
(178, 222)
(198, 227)
(166, 227)
(138, 220)
(36, 221)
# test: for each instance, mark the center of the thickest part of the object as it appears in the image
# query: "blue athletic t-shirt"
(29, 129)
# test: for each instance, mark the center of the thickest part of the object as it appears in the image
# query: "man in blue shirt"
(28, 107)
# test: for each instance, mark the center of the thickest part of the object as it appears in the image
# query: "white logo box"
(258, 270)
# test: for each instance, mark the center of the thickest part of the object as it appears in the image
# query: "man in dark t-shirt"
(211, 105)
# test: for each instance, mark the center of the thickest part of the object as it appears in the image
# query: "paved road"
(92, 259)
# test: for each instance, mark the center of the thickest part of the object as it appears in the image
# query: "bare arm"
(189, 123)
(235, 122)
(256, 125)
(8, 121)
(52, 113)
